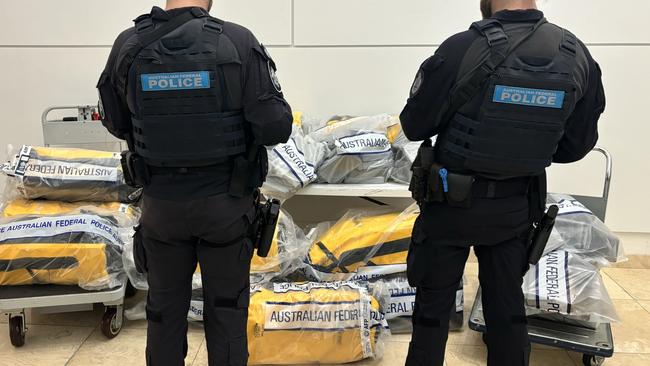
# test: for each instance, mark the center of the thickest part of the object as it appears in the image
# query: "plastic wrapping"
(44, 242)
(405, 153)
(293, 165)
(566, 285)
(578, 231)
(359, 150)
(328, 323)
(362, 239)
(69, 175)
(289, 247)
(137, 279)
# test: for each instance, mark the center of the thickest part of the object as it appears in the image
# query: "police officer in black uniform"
(196, 98)
(506, 99)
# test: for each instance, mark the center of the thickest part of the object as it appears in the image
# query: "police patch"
(274, 78)
(417, 84)
(266, 52)
(272, 70)
(529, 97)
(175, 81)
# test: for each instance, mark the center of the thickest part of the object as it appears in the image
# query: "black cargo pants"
(174, 237)
(435, 268)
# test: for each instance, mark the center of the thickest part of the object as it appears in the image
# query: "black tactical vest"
(184, 91)
(512, 126)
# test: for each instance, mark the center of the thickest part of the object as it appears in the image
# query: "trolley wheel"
(112, 321)
(17, 330)
(130, 290)
(591, 360)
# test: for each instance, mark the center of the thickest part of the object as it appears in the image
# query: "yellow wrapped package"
(360, 240)
(125, 214)
(44, 242)
(336, 322)
(69, 175)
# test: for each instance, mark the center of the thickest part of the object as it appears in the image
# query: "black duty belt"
(154, 170)
(488, 188)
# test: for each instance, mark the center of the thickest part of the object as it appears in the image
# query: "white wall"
(337, 56)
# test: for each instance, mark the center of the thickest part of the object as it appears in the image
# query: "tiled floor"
(74, 339)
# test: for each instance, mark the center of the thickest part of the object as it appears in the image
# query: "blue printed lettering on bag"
(176, 81)
(529, 97)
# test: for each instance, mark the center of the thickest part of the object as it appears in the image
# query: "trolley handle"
(608, 171)
(44, 116)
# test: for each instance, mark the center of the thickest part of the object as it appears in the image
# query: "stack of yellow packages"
(65, 218)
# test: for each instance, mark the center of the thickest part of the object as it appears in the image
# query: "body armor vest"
(184, 91)
(512, 126)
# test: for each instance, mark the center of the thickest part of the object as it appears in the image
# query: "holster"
(541, 234)
(266, 221)
(135, 169)
(422, 175)
(537, 192)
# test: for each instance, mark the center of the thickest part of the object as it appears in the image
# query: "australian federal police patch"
(175, 81)
(417, 84)
(272, 69)
(274, 78)
(529, 97)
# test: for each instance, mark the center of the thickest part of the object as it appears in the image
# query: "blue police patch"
(529, 97)
(176, 81)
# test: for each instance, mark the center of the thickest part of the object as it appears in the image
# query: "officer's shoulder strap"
(501, 46)
(569, 43)
(492, 30)
(145, 38)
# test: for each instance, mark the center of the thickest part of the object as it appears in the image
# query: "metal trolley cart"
(59, 299)
(83, 130)
(595, 344)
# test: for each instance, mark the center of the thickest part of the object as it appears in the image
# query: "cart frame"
(14, 300)
(78, 131)
(595, 344)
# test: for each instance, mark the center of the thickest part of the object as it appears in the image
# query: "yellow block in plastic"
(70, 175)
(297, 118)
(52, 263)
(356, 241)
(71, 153)
(42, 208)
(313, 323)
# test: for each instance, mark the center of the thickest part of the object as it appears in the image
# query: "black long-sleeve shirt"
(421, 117)
(262, 103)
(489, 221)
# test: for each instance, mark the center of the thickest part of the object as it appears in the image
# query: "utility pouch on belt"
(459, 192)
(541, 234)
(436, 189)
(267, 220)
(136, 172)
(454, 188)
